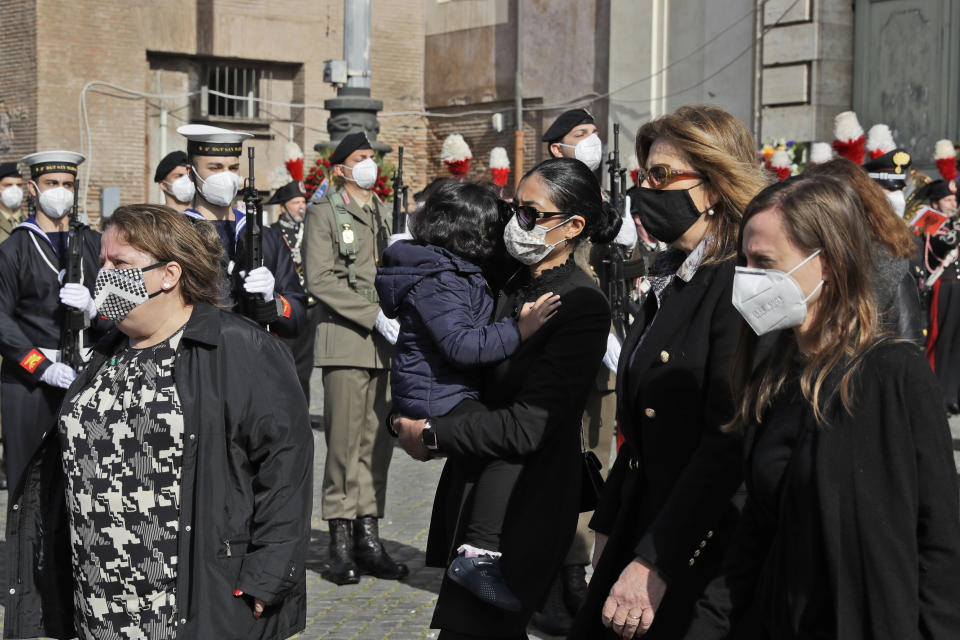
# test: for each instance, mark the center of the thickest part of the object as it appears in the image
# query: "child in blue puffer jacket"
(436, 287)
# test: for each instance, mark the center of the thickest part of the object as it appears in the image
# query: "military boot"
(341, 568)
(371, 557)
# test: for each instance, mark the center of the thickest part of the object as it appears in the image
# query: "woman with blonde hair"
(185, 456)
(851, 526)
(667, 510)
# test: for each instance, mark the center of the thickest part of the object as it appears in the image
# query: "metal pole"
(356, 42)
(518, 96)
(758, 71)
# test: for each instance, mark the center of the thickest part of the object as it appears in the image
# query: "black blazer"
(886, 489)
(668, 497)
(531, 413)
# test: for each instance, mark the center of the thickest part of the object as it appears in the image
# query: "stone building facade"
(178, 51)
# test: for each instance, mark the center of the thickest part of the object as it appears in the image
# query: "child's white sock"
(469, 551)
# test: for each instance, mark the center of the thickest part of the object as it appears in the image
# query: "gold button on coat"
(664, 357)
(650, 413)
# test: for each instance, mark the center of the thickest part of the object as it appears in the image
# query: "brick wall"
(479, 134)
(46, 59)
(18, 89)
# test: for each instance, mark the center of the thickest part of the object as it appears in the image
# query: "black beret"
(350, 143)
(890, 169)
(288, 192)
(565, 123)
(170, 162)
(9, 169)
(938, 189)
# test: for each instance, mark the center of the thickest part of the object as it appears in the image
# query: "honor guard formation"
(709, 400)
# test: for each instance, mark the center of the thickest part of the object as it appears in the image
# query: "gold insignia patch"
(900, 159)
(347, 235)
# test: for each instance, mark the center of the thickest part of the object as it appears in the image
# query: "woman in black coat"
(851, 528)
(187, 475)
(528, 423)
(667, 509)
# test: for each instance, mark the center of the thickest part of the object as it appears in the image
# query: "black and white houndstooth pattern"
(122, 439)
(118, 291)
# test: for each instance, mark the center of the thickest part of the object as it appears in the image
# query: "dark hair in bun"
(575, 189)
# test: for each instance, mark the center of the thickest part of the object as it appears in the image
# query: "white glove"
(58, 375)
(387, 327)
(260, 280)
(612, 356)
(396, 237)
(74, 294)
(627, 236)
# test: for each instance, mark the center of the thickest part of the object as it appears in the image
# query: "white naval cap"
(205, 140)
(58, 161)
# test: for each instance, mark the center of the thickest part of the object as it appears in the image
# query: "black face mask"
(666, 214)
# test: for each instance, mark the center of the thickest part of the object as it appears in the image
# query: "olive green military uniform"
(599, 421)
(7, 223)
(342, 246)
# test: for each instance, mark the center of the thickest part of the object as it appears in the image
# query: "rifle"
(618, 274)
(613, 168)
(74, 320)
(399, 196)
(253, 305)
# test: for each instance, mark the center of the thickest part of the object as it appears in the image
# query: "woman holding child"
(507, 503)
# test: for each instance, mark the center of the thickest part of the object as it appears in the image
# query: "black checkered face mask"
(117, 292)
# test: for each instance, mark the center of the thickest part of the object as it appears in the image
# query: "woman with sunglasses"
(666, 512)
(522, 440)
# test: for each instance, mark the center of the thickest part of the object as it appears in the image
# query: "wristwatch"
(429, 437)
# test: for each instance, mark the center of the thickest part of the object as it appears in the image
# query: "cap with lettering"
(52, 162)
(205, 140)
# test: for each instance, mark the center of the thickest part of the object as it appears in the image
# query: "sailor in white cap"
(214, 155)
(34, 301)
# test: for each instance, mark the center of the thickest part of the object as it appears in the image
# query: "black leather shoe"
(340, 568)
(574, 578)
(481, 576)
(554, 618)
(369, 553)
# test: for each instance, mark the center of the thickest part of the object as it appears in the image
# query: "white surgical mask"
(769, 299)
(12, 197)
(219, 189)
(529, 247)
(56, 202)
(364, 173)
(182, 189)
(589, 151)
(898, 201)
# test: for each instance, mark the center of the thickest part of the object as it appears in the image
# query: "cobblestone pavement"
(381, 609)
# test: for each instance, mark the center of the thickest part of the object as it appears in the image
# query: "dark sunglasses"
(661, 175)
(527, 216)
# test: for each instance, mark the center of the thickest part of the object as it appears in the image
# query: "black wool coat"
(531, 413)
(669, 497)
(887, 507)
(245, 493)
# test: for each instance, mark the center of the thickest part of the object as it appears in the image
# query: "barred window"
(222, 80)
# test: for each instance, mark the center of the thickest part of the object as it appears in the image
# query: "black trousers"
(491, 493)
